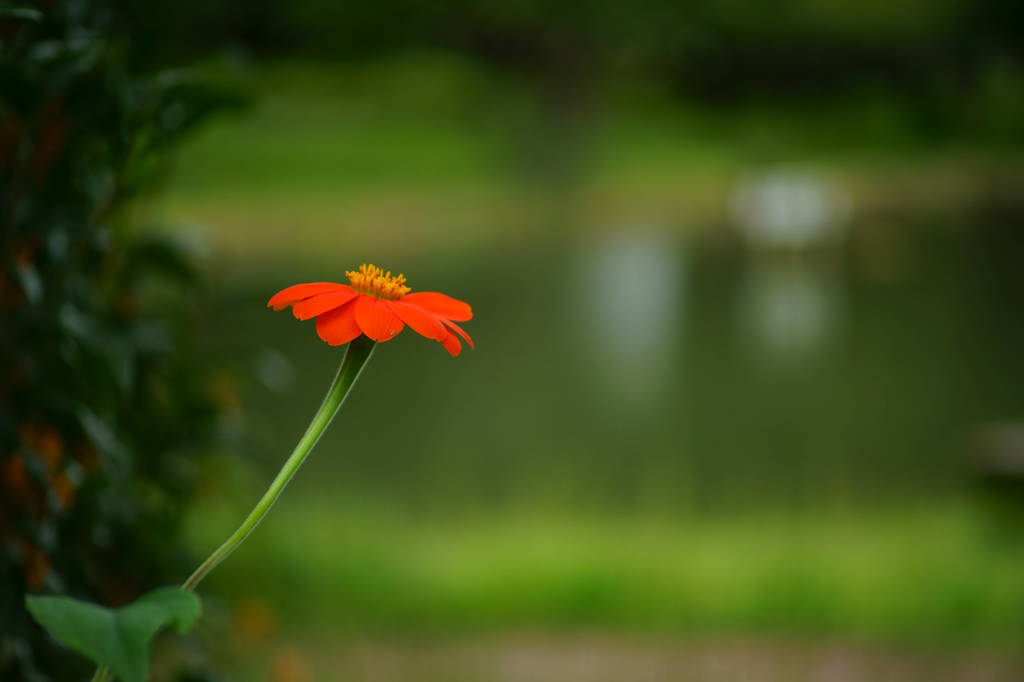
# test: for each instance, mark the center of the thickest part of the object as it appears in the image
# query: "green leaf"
(116, 638)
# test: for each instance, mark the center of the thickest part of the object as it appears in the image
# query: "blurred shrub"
(104, 400)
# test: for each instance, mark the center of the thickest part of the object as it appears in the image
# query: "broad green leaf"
(116, 638)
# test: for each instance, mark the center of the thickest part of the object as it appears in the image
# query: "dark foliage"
(710, 49)
(105, 404)
(952, 67)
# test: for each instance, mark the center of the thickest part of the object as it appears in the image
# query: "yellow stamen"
(373, 281)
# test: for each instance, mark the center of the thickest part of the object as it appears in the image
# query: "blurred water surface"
(653, 369)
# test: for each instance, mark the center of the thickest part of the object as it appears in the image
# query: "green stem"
(358, 353)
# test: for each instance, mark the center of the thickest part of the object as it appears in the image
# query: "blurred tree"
(951, 68)
(104, 399)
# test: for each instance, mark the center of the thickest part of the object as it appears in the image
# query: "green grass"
(908, 577)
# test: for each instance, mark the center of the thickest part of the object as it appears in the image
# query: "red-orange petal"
(461, 332)
(338, 326)
(452, 345)
(422, 321)
(300, 292)
(441, 305)
(376, 319)
(321, 303)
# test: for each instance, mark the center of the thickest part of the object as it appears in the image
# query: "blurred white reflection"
(794, 209)
(630, 293)
(788, 309)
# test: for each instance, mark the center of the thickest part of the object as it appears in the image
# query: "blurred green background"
(747, 396)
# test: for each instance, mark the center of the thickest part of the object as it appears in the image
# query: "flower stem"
(356, 357)
(358, 353)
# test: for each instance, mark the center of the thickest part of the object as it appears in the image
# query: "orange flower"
(377, 304)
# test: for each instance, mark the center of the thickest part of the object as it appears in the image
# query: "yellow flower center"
(373, 281)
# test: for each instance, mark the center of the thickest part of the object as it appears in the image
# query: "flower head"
(378, 304)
